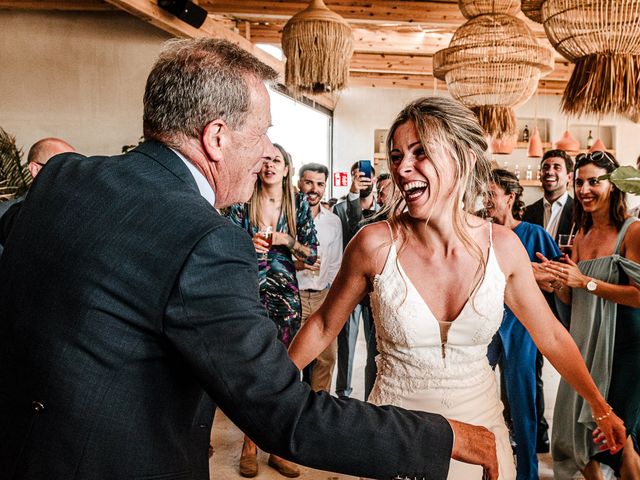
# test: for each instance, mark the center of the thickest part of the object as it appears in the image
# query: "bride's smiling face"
(424, 178)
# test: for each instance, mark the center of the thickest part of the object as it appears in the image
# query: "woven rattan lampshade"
(493, 64)
(532, 9)
(318, 44)
(602, 37)
(473, 8)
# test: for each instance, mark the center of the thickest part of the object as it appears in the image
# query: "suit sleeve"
(215, 322)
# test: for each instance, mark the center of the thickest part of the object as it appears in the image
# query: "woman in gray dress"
(601, 280)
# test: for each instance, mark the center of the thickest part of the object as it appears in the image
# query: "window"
(303, 131)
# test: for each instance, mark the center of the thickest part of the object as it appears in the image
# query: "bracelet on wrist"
(604, 415)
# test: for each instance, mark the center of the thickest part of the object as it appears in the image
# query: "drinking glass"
(565, 242)
(267, 235)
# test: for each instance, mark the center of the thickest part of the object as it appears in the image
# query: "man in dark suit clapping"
(128, 303)
(553, 212)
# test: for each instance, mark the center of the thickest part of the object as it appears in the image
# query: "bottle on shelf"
(525, 134)
(529, 174)
(589, 140)
(538, 173)
(516, 171)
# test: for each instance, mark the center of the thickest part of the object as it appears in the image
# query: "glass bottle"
(517, 171)
(529, 174)
(525, 134)
(589, 140)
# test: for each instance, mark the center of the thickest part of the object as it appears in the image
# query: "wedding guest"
(359, 205)
(39, 154)
(554, 212)
(601, 280)
(276, 206)
(315, 282)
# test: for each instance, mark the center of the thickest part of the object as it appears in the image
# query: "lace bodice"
(418, 352)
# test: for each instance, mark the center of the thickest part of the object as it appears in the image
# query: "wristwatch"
(592, 285)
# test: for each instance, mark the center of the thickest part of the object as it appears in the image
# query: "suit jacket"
(351, 216)
(128, 303)
(534, 213)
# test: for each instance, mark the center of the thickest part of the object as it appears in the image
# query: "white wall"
(78, 76)
(360, 111)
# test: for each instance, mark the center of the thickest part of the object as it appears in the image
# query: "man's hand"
(475, 445)
(360, 182)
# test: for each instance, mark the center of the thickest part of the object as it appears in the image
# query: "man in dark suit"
(554, 212)
(128, 303)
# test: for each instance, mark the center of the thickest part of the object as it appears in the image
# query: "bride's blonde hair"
(442, 122)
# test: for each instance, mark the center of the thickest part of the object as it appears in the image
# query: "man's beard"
(366, 192)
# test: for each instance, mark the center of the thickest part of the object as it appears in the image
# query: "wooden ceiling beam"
(359, 10)
(423, 65)
(149, 11)
(426, 82)
(57, 5)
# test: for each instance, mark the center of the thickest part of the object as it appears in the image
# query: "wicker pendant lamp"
(602, 38)
(493, 64)
(318, 44)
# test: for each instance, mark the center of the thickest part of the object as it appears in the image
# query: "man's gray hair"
(194, 82)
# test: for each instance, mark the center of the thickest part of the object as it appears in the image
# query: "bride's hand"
(611, 433)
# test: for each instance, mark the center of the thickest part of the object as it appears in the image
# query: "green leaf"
(626, 178)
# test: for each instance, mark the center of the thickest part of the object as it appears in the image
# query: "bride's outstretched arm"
(349, 287)
(524, 298)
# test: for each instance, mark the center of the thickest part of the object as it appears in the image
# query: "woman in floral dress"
(274, 204)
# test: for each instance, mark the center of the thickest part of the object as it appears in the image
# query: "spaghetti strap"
(491, 234)
(390, 231)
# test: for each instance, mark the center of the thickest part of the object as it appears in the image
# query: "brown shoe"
(284, 467)
(249, 465)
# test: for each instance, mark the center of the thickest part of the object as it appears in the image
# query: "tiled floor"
(227, 439)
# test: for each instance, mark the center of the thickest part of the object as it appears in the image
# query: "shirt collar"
(203, 185)
(560, 201)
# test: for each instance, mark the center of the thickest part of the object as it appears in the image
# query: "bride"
(438, 277)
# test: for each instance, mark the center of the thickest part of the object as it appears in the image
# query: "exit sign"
(340, 179)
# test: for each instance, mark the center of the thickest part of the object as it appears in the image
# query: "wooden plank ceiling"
(394, 39)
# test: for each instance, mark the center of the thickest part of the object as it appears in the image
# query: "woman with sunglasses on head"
(274, 205)
(601, 281)
(438, 278)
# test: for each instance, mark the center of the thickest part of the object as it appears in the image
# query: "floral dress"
(276, 272)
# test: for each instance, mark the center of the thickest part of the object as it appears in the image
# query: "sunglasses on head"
(595, 156)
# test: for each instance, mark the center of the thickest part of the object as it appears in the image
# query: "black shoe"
(542, 446)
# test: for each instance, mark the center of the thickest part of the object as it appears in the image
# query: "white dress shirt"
(203, 185)
(329, 230)
(552, 213)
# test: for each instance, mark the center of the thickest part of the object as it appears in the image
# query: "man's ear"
(34, 168)
(214, 136)
(570, 178)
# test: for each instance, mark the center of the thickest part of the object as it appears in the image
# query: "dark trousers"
(347, 348)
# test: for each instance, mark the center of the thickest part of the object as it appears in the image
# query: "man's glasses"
(596, 156)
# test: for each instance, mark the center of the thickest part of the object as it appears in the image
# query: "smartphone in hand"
(365, 167)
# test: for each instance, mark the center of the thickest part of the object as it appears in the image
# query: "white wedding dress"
(419, 371)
